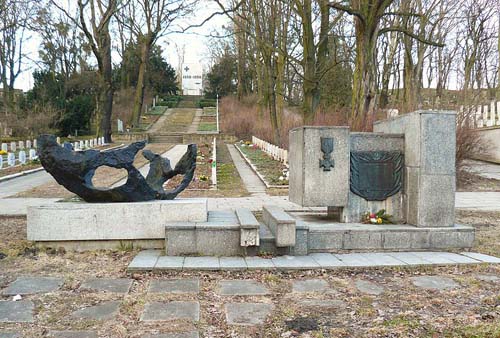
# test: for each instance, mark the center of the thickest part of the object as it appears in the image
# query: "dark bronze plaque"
(376, 175)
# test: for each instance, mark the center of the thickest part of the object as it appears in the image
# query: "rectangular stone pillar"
(319, 179)
(430, 144)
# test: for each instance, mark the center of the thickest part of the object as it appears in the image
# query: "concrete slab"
(9, 334)
(295, 263)
(258, 263)
(354, 259)
(434, 282)
(382, 259)
(167, 311)
(17, 312)
(327, 260)
(247, 313)
(245, 287)
(19, 206)
(201, 263)
(177, 286)
(481, 257)
(232, 263)
(102, 311)
(309, 285)
(116, 285)
(434, 257)
(169, 263)
(368, 287)
(487, 278)
(32, 285)
(409, 258)
(144, 260)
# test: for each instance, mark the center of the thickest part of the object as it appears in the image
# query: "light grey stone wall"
(111, 221)
(430, 144)
(309, 184)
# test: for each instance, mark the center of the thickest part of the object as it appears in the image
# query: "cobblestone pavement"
(208, 305)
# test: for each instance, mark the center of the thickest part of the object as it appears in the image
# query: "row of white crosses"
(22, 156)
(275, 152)
(485, 115)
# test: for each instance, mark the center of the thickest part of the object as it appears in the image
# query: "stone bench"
(281, 224)
(249, 228)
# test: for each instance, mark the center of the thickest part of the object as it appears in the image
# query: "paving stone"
(174, 286)
(259, 263)
(327, 260)
(162, 311)
(382, 259)
(247, 313)
(101, 311)
(434, 282)
(169, 263)
(434, 257)
(460, 259)
(6, 334)
(232, 263)
(310, 285)
(73, 334)
(481, 257)
(117, 285)
(192, 334)
(16, 312)
(487, 278)
(295, 263)
(144, 260)
(33, 285)
(369, 287)
(322, 303)
(354, 259)
(245, 287)
(409, 258)
(201, 263)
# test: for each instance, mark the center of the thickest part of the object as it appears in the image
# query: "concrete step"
(173, 138)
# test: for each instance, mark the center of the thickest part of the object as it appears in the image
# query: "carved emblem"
(327, 148)
(376, 175)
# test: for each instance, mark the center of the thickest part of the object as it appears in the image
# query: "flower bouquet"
(380, 217)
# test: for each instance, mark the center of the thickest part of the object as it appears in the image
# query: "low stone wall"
(110, 223)
(491, 139)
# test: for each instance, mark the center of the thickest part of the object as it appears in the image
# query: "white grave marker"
(1, 161)
(28, 144)
(32, 154)
(58, 140)
(22, 157)
(21, 144)
(13, 146)
(11, 159)
(120, 126)
(5, 147)
(35, 143)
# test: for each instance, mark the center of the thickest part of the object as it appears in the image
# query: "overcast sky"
(195, 41)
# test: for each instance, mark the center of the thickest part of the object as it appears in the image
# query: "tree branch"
(348, 10)
(410, 34)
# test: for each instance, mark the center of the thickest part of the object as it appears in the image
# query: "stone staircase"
(174, 138)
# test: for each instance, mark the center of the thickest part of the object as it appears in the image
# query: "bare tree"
(148, 20)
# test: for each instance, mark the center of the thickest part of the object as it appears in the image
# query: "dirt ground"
(467, 181)
(471, 310)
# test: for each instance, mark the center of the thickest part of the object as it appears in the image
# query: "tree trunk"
(141, 83)
(107, 92)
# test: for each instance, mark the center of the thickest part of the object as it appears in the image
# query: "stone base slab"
(359, 237)
(110, 221)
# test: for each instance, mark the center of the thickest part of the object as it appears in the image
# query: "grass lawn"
(271, 169)
(207, 126)
(158, 110)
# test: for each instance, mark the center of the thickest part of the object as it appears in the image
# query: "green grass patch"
(158, 110)
(207, 126)
(271, 169)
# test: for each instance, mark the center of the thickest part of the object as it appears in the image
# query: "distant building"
(192, 79)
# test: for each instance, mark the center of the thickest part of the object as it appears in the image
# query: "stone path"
(196, 122)
(160, 122)
(479, 201)
(175, 307)
(151, 260)
(252, 182)
(485, 169)
(23, 183)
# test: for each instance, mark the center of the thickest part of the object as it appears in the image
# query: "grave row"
(274, 151)
(483, 115)
(30, 153)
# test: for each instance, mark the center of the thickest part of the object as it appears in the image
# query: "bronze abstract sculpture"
(75, 169)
